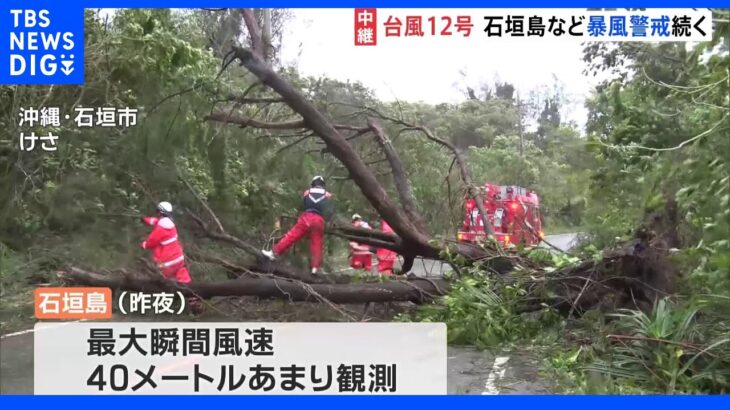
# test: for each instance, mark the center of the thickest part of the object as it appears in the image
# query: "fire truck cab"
(513, 211)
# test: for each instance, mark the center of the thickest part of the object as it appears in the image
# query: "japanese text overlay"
(240, 358)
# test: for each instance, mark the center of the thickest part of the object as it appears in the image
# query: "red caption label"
(73, 303)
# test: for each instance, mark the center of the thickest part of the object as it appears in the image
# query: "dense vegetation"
(657, 136)
(167, 64)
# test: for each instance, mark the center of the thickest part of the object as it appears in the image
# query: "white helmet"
(164, 208)
(356, 217)
(318, 180)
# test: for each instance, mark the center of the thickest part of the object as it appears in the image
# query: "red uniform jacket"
(382, 253)
(166, 249)
(357, 248)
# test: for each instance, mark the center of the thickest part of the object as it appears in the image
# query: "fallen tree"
(416, 290)
(632, 275)
(413, 238)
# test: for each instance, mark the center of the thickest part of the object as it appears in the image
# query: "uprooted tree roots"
(633, 276)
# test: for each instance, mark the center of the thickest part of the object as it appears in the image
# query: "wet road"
(16, 364)
(563, 241)
(469, 371)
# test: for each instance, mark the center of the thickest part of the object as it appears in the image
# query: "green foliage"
(665, 352)
(482, 311)
(560, 184)
(676, 348)
(659, 130)
(166, 62)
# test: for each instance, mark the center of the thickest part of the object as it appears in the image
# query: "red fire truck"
(513, 211)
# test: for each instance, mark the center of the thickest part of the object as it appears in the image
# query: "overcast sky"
(430, 69)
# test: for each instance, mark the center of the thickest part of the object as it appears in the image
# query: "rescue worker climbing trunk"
(317, 207)
(167, 252)
(360, 255)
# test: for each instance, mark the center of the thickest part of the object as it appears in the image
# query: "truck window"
(498, 217)
(474, 217)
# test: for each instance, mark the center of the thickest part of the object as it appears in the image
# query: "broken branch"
(400, 179)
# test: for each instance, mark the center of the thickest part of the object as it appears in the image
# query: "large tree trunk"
(634, 275)
(338, 146)
(412, 290)
(400, 178)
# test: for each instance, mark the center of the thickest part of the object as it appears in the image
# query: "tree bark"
(257, 43)
(400, 178)
(407, 264)
(413, 290)
(271, 268)
(266, 36)
(474, 192)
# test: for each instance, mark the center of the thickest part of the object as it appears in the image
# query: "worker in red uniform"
(360, 255)
(386, 257)
(318, 206)
(167, 252)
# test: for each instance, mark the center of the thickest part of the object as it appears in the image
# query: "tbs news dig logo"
(45, 48)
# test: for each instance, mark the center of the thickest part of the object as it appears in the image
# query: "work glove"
(149, 220)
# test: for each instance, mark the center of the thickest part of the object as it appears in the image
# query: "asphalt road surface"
(469, 371)
(563, 241)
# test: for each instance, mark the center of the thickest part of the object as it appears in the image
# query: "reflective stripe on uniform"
(169, 241)
(172, 262)
(356, 247)
(316, 191)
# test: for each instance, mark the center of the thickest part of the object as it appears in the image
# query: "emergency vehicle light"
(460, 236)
(513, 205)
(506, 239)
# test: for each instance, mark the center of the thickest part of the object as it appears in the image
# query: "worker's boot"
(195, 305)
(269, 254)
